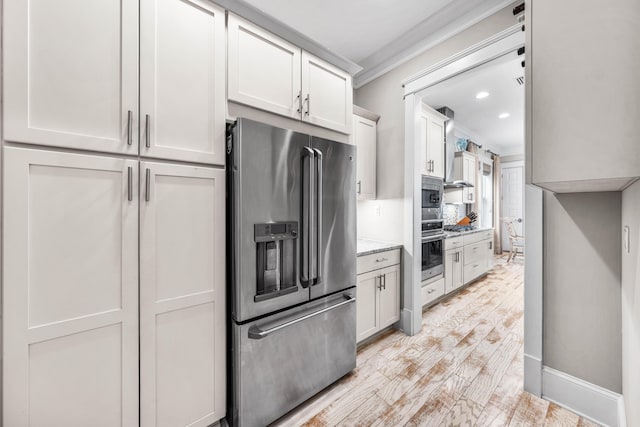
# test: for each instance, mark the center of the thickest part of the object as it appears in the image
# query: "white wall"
(582, 277)
(385, 97)
(631, 306)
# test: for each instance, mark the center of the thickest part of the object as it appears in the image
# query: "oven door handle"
(432, 238)
(256, 333)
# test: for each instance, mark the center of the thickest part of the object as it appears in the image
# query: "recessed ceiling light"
(481, 95)
(503, 115)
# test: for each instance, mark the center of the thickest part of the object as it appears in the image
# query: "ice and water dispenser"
(276, 259)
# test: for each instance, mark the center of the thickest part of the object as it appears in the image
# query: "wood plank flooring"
(465, 368)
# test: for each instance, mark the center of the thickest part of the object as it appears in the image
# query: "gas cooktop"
(459, 227)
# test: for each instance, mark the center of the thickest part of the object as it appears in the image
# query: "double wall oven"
(432, 227)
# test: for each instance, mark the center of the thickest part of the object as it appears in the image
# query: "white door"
(365, 138)
(327, 94)
(70, 302)
(182, 80)
(367, 304)
(182, 295)
(512, 200)
(263, 70)
(71, 73)
(435, 147)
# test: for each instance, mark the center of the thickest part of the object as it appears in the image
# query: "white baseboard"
(533, 375)
(585, 399)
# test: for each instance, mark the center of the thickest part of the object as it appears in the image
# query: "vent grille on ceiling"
(520, 80)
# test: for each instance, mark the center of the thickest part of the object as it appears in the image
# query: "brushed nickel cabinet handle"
(129, 127)
(381, 259)
(359, 187)
(147, 128)
(299, 101)
(130, 183)
(430, 291)
(147, 185)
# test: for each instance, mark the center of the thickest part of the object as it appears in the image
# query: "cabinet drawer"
(472, 271)
(378, 260)
(477, 237)
(474, 254)
(453, 242)
(432, 291)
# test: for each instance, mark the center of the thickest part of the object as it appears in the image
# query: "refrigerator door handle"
(306, 243)
(318, 220)
(256, 333)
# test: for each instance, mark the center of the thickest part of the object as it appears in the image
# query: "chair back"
(511, 230)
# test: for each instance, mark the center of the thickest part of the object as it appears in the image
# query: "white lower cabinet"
(182, 302)
(453, 270)
(70, 302)
(433, 290)
(83, 342)
(378, 293)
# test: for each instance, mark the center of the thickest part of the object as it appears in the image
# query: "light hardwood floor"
(463, 369)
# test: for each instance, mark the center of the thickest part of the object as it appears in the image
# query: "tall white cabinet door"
(70, 301)
(367, 293)
(263, 70)
(435, 146)
(390, 296)
(364, 131)
(182, 295)
(182, 80)
(327, 94)
(70, 73)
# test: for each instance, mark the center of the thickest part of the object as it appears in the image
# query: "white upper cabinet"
(264, 70)
(364, 136)
(583, 101)
(70, 73)
(327, 94)
(431, 140)
(182, 80)
(182, 295)
(267, 72)
(464, 169)
(70, 290)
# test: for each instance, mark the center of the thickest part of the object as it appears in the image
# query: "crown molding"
(422, 38)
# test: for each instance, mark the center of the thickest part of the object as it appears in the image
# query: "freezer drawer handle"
(256, 333)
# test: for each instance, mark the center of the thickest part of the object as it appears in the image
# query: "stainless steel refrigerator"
(293, 270)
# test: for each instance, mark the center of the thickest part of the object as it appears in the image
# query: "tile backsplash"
(453, 213)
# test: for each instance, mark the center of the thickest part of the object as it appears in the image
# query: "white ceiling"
(377, 34)
(478, 118)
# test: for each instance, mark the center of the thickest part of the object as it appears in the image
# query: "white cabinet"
(431, 139)
(269, 73)
(70, 74)
(574, 69)
(80, 88)
(70, 289)
(364, 136)
(433, 290)
(264, 70)
(182, 80)
(453, 270)
(327, 94)
(378, 293)
(182, 295)
(464, 167)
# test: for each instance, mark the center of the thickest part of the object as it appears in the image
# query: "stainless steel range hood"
(449, 152)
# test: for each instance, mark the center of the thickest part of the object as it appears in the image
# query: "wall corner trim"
(533, 375)
(622, 415)
(585, 399)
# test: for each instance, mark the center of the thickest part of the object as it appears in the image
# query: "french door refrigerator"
(292, 203)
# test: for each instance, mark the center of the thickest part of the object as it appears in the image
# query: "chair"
(516, 240)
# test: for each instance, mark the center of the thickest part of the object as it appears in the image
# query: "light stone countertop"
(449, 234)
(368, 246)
